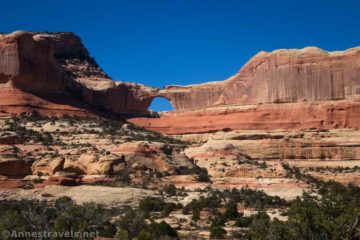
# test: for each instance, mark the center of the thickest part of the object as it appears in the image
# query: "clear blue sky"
(162, 42)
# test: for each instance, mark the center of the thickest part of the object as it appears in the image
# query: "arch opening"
(161, 104)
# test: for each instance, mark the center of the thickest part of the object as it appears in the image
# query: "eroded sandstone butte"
(54, 73)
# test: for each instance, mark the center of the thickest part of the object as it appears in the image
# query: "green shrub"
(244, 221)
(217, 232)
(170, 190)
(158, 230)
(151, 204)
(231, 211)
(195, 215)
(203, 175)
(63, 215)
(134, 225)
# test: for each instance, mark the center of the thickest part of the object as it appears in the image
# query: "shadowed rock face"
(55, 72)
(282, 76)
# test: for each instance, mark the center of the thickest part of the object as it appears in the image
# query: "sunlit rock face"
(285, 89)
(53, 73)
(282, 76)
(286, 116)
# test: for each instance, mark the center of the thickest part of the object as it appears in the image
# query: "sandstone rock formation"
(110, 196)
(297, 90)
(161, 157)
(285, 89)
(332, 154)
(286, 116)
(73, 150)
(54, 72)
(281, 76)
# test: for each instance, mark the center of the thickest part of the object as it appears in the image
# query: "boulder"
(14, 167)
(108, 164)
(156, 156)
(48, 166)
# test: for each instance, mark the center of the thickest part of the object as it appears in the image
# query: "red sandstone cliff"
(284, 89)
(282, 76)
(54, 72)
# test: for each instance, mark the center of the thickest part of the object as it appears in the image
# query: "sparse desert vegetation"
(180, 194)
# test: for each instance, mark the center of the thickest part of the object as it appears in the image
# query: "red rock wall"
(286, 116)
(58, 64)
(46, 65)
(282, 76)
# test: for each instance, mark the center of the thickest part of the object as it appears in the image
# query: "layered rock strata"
(281, 76)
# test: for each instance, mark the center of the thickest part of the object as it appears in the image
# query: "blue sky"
(163, 42)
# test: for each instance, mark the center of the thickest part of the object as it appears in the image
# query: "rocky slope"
(38, 152)
(71, 151)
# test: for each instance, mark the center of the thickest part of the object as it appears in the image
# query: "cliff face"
(282, 76)
(285, 89)
(285, 116)
(55, 72)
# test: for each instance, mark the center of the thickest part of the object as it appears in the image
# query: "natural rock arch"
(160, 104)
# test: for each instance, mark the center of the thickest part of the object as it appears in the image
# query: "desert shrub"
(158, 230)
(260, 221)
(263, 165)
(63, 215)
(132, 225)
(244, 221)
(144, 235)
(123, 176)
(170, 190)
(151, 204)
(333, 215)
(231, 211)
(253, 198)
(195, 215)
(216, 230)
(203, 175)
(212, 202)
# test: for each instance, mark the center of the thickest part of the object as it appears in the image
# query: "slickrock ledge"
(286, 116)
